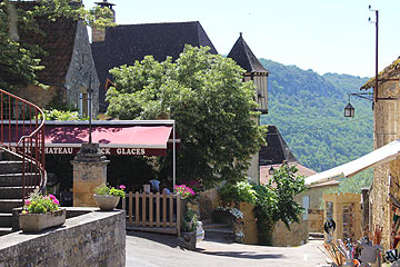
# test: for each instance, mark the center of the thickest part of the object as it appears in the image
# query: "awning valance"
(379, 156)
(130, 139)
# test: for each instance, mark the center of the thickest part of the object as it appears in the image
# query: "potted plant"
(41, 212)
(107, 198)
(189, 229)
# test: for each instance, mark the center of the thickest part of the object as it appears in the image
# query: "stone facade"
(82, 72)
(93, 239)
(386, 130)
(345, 210)
(89, 171)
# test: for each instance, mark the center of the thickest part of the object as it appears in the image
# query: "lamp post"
(90, 91)
(376, 49)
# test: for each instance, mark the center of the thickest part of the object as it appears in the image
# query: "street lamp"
(271, 170)
(90, 91)
(349, 110)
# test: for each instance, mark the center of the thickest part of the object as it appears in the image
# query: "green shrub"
(111, 191)
(239, 192)
(190, 221)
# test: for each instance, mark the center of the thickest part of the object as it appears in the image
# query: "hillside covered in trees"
(308, 110)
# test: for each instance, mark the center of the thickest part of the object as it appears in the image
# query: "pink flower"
(27, 202)
(123, 187)
(54, 199)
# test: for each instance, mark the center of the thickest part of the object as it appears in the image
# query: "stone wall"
(93, 239)
(209, 201)
(315, 215)
(297, 236)
(41, 97)
(345, 210)
(249, 224)
(386, 130)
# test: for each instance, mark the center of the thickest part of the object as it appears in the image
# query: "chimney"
(98, 35)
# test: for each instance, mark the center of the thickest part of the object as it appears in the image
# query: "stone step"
(219, 230)
(215, 226)
(315, 235)
(6, 219)
(10, 167)
(6, 205)
(5, 230)
(15, 179)
(14, 192)
(219, 235)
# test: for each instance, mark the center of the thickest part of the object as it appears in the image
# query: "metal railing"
(22, 134)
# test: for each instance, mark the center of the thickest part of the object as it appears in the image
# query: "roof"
(377, 157)
(124, 44)
(58, 42)
(390, 71)
(302, 171)
(276, 151)
(325, 184)
(244, 57)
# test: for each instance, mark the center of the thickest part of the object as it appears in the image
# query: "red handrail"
(22, 132)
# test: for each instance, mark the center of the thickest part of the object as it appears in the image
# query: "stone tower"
(255, 72)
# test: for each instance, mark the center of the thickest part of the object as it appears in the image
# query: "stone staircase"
(219, 232)
(10, 193)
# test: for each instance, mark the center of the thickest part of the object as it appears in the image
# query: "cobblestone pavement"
(150, 250)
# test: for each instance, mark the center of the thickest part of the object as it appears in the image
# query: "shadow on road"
(243, 254)
(168, 240)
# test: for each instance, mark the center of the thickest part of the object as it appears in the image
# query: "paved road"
(151, 250)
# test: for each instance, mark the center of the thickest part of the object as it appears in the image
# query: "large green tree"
(212, 107)
(20, 61)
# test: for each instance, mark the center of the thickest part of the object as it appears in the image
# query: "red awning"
(133, 140)
(128, 140)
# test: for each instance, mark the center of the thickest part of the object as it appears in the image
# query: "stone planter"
(189, 240)
(106, 202)
(36, 222)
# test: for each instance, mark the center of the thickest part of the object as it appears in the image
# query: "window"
(83, 105)
(306, 206)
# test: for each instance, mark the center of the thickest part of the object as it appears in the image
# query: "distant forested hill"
(308, 110)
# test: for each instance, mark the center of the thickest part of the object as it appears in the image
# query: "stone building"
(69, 66)
(124, 44)
(386, 129)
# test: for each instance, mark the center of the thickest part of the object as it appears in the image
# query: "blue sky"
(322, 35)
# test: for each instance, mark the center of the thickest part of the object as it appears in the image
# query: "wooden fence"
(153, 212)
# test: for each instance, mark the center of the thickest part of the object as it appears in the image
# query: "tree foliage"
(20, 61)
(212, 107)
(275, 201)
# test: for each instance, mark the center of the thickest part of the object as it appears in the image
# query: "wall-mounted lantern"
(349, 111)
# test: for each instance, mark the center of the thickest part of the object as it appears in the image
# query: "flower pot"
(36, 222)
(106, 202)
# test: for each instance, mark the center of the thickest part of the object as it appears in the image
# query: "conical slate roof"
(244, 57)
(276, 151)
